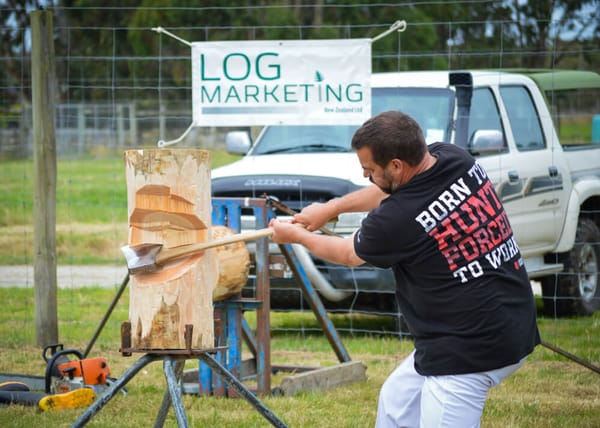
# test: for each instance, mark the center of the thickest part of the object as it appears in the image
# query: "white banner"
(291, 82)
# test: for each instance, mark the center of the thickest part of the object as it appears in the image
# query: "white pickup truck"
(536, 132)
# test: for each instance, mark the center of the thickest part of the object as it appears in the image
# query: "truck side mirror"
(486, 142)
(238, 142)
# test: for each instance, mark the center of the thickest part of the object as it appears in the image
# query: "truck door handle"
(513, 177)
(553, 171)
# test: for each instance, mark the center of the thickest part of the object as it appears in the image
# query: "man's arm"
(317, 214)
(331, 248)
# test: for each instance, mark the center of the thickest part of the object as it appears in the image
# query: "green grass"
(87, 191)
(91, 209)
(549, 391)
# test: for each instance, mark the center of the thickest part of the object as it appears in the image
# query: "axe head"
(141, 258)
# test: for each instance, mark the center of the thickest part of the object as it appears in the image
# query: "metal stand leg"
(241, 389)
(173, 368)
(315, 303)
(173, 394)
(114, 388)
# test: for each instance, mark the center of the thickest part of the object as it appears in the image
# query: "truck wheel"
(575, 291)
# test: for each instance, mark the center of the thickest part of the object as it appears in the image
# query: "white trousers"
(410, 400)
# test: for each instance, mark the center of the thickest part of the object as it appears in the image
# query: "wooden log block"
(169, 203)
(234, 265)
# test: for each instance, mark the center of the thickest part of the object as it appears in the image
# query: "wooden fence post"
(43, 84)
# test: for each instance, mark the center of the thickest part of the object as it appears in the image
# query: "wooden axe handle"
(185, 250)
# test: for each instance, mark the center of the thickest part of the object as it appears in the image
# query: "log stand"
(173, 364)
(231, 327)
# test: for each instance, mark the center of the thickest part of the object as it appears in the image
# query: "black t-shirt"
(461, 282)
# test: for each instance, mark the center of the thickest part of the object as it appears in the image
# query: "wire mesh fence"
(123, 85)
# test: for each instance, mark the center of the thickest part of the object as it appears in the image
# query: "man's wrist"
(333, 206)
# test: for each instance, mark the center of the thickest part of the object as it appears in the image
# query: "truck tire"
(576, 290)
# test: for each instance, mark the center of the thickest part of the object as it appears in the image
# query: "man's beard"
(389, 190)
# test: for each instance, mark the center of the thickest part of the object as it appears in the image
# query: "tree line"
(110, 42)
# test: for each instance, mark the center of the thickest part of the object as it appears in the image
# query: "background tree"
(106, 46)
(552, 28)
(14, 25)
(82, 34)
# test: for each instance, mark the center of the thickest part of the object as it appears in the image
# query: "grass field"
(549, 391)
(91, 209)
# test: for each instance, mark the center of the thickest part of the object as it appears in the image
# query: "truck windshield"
(430, 107)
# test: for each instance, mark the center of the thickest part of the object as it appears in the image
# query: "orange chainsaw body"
(94, 371)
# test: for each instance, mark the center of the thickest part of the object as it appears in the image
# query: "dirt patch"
(66, 276)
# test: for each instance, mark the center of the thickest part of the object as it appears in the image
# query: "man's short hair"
(391, 135)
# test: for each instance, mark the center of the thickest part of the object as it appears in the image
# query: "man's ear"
(397, 164)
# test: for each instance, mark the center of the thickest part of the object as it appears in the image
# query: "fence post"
(80, 128)
(120, 126)
(133, 129)
(43, 83)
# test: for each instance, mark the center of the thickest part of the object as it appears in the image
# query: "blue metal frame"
(227, 212)
(233, 327)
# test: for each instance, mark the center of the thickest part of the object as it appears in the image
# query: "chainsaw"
(64, 374)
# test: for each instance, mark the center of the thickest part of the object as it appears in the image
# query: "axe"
(147, 258)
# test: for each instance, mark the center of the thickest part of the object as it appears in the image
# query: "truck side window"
(523, 118)
(575, 113)
(484, 112)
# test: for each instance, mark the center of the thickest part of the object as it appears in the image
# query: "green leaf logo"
(318, 77)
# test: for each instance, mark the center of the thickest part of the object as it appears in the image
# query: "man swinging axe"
(436, 221)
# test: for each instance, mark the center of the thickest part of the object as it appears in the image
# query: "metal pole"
(571, 356)
(310, 294)
(174, 389)
(114, 388)
(242, 391)
(106, 315)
